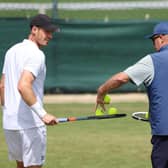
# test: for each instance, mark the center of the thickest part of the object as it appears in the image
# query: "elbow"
(121, 78)
(121, 81)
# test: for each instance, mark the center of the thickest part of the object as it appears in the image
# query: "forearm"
(2, 96)
(25, 88)
(28, 94)
(114, 82)
(30, 99)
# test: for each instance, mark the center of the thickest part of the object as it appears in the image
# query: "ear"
(161, 39)
(34, 29)
(165, 37)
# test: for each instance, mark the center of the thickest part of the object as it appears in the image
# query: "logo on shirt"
(42, 158)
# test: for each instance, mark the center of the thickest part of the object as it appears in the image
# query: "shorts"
(159, 155)
(27, 146)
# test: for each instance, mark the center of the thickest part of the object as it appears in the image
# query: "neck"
(31, 38)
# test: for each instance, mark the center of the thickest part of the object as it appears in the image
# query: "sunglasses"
(155, 37)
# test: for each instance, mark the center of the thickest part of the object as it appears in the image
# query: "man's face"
(156, 42)
(160, 41)
(41, 36)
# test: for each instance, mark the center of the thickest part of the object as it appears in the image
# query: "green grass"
(46, 1)
(114, 14)
(118, 143)
(154, 14)
(159, 14)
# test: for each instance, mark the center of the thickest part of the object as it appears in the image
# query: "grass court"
(113, 143)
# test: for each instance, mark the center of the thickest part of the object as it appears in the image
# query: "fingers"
(102, 105)
(50, 123)
(100, 101)
(96, 106)
(53, 122)
(50, 119)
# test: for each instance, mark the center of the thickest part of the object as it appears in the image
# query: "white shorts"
(28, 146)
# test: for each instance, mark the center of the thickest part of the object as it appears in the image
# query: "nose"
(50, 36)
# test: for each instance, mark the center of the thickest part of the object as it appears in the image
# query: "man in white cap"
(152, 71)
(22, 83)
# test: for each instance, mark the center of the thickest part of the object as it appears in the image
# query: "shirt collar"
(30, 42)
(165, 47)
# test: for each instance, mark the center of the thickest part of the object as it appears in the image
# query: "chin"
(44, 44)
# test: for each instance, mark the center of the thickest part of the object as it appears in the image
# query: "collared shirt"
(142, 71)
(22, 56)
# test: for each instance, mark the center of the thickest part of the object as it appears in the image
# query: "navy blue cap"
(160, 28)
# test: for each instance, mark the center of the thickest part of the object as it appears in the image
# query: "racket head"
(140, 115)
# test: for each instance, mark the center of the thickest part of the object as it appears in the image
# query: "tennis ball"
(107, 99)
(99, 112)
(112, 110)
(147, 115)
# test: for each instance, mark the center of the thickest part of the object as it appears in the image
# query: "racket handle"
(62, 120)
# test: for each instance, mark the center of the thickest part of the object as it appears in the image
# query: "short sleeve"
(142, 71)
(34, 63)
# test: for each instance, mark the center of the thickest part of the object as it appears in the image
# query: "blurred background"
(97, 38)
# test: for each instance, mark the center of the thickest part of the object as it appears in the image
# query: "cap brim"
(150, 36)
(52, 28)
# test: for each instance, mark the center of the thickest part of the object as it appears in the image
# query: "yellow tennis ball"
(147, 115)
(99, 112)
(107, 99)
(112, 110)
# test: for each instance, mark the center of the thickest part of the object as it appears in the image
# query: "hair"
(31, 26)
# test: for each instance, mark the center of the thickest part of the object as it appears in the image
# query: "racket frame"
(70, 119)
(138, 116)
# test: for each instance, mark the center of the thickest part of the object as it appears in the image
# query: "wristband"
(38, 109)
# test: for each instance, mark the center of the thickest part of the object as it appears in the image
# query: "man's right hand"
(49, 119)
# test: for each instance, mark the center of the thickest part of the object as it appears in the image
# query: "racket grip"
(62, 120)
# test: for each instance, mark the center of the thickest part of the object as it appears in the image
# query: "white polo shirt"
(17, 114)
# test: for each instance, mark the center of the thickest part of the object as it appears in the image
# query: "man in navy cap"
(152, 71)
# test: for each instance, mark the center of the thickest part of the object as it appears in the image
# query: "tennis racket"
(70, 119)
(140, 115)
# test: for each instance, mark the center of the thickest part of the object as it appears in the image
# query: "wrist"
(38, 109)
(101, 91)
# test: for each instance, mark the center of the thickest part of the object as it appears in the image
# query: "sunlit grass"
(120, 143)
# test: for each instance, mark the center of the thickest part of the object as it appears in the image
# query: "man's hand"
(49, 119)
(100, 101)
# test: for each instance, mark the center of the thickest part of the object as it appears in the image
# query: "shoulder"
(146, 59)
(14, 47)
(31, 49)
